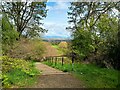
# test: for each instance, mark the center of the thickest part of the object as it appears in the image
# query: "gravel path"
(46, 70)
(53, 78)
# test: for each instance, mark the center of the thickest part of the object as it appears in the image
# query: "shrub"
(15, 70)
(9, 34)
(27, 49)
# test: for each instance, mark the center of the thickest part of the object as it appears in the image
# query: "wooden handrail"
(57, 56)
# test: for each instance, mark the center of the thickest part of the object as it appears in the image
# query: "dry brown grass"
(27, 49)
(34, 49)
(63, 44)
(50, 51)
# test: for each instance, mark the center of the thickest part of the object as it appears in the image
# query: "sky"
(56, 20)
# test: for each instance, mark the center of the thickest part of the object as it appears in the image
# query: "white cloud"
(56, 21)
(56, 29)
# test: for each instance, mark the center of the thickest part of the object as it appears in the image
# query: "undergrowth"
(17, 72)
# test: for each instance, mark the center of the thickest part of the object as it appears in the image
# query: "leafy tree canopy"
(94, 27)
(9, 34)
(24, 14)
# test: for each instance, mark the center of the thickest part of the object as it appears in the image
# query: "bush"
(28, 49)
(9, 34)
(9, 64)
(16, 71)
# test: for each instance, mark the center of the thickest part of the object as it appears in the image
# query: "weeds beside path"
(53, 78)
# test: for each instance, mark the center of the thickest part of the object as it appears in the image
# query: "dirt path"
(46, 70)
(53, 78)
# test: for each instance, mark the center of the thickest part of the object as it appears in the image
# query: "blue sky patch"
(56, 20)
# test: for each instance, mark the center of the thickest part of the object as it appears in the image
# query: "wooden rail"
(55, 59)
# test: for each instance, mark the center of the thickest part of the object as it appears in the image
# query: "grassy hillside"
(29, 49)
(61, 47)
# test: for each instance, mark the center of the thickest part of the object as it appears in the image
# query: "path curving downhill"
(54, 78)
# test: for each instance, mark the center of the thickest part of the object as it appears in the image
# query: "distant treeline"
(53, 41)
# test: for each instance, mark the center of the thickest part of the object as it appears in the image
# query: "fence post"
(55, 61)
(72, 63)
(46, 59)
(49, 60)
(52, 59)
(62, 61)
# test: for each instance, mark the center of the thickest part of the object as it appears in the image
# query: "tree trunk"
(118, 55)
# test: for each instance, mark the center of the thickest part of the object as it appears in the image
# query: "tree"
(93, 24)
(34, 31)
(84, 16)
(118, 54)
(9, 35)
(82, 43)
(108, 40)
(22, 12)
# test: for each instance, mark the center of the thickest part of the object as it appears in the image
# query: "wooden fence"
(58, 59)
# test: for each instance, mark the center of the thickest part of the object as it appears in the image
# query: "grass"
(91, 75)
(59, 50)
(17, 78)
(18, 73)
